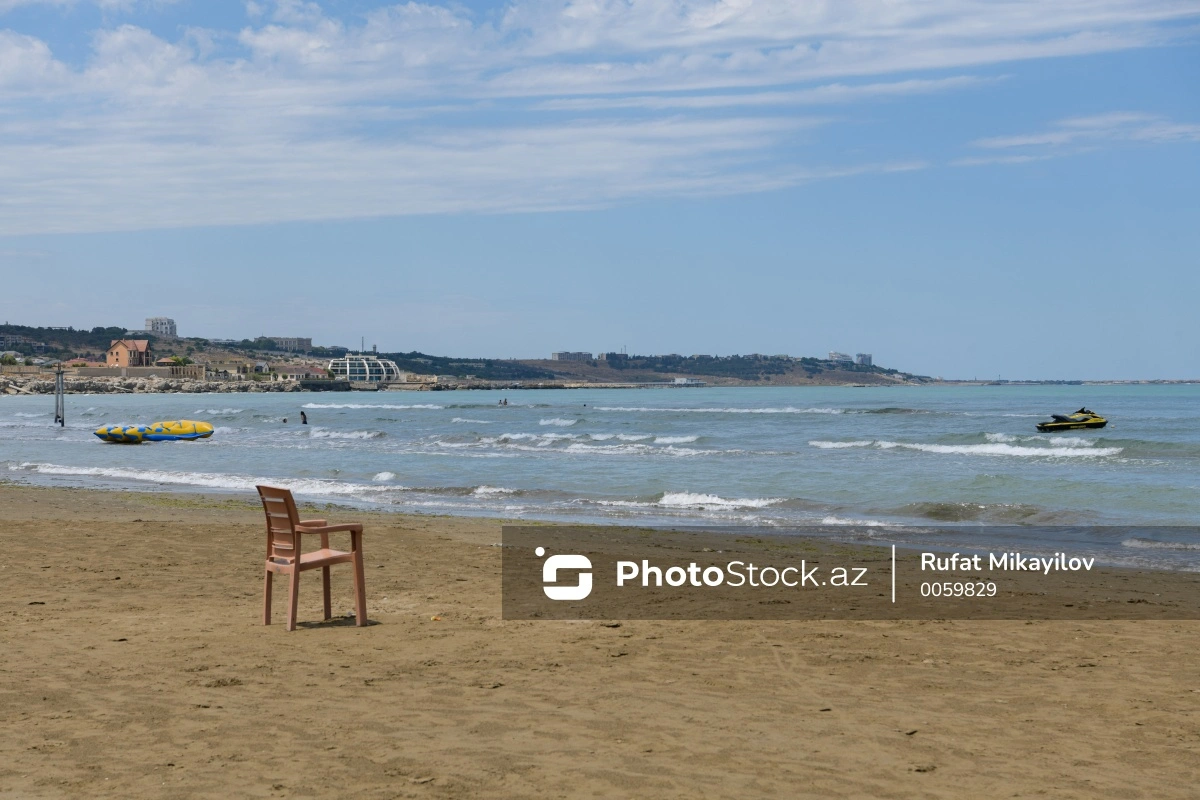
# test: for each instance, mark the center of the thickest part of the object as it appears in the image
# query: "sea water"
(895, 464)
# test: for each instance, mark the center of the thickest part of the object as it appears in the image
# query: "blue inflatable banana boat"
(178, 430)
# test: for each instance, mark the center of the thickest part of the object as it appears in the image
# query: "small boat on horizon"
(1081, 419)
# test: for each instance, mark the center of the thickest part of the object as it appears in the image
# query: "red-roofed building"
(129, 353)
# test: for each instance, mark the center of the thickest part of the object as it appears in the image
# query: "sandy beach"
(133, 664)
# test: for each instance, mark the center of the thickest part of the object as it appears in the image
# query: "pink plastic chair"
(284, 554)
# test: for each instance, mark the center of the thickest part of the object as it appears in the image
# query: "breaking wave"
(395, 407)
(325, 433)
(206, 480)
(866, 523)
(785, 410)
(1053, 441)
(583, 444)
(621, 437)
(558, 421)
(841, 445)
(1152, 544)
(991, 449)
(694, 501)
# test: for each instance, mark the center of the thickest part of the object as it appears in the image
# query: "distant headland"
(157, 359)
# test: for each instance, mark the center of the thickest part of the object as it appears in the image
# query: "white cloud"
(422, 108)
(104, 5)
(1072, 134)
(828, 94)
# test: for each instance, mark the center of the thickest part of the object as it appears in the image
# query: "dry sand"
(133, 664)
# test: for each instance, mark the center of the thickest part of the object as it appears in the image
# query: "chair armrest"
(352, 527)
(311, 523)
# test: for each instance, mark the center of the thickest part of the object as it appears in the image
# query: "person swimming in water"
(303, 418)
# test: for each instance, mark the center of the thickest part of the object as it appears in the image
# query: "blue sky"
(962, 188)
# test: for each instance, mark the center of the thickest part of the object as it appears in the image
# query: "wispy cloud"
(1079, 134)
(828, 94)
(104, 5)
(421, 108)
(1115, 126)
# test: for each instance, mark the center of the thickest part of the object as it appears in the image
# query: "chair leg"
(328, 603)
(360, 586)
(267, 597)
(293, 597)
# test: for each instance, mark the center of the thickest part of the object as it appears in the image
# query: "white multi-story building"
(842, 358)
(161, 326)
(570, 356)
(293, 344)
(365, 368)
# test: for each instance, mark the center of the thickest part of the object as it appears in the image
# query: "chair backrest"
(282, 539)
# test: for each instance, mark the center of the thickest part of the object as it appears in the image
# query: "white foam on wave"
(219, 412)
(623, 437)
(485, 491)
(992, 449)
(1054, 441)
(394, 407)
(675, 439)
(1153, 544)
(29, 414)
(1011, 450)
(463, 420)
(784, 410)
(558, 421)
(325, 433)
(542, 439)
(841, 445)
(206, 480)
(384, 476)
(633, 448)
(704, 501)
(866, 523)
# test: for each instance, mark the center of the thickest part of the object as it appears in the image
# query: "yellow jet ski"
(170, 431)
(1071, 422)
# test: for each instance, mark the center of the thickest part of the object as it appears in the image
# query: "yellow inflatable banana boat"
(172, 431)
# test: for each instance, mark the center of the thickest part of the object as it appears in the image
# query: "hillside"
(737, 370)
(751, 370)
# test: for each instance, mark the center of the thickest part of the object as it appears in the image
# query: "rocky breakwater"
(20, 384)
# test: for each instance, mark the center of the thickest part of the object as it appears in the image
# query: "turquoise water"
(895, 458)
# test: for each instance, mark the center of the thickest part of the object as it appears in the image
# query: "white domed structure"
(365, 368)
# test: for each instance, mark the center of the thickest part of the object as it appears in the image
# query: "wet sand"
(133, 664)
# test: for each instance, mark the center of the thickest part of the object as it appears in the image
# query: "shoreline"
(137, 666)
(955, 537)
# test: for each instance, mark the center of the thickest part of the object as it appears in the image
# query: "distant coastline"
(43, 384)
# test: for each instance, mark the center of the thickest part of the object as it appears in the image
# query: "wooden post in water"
(60, 414)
